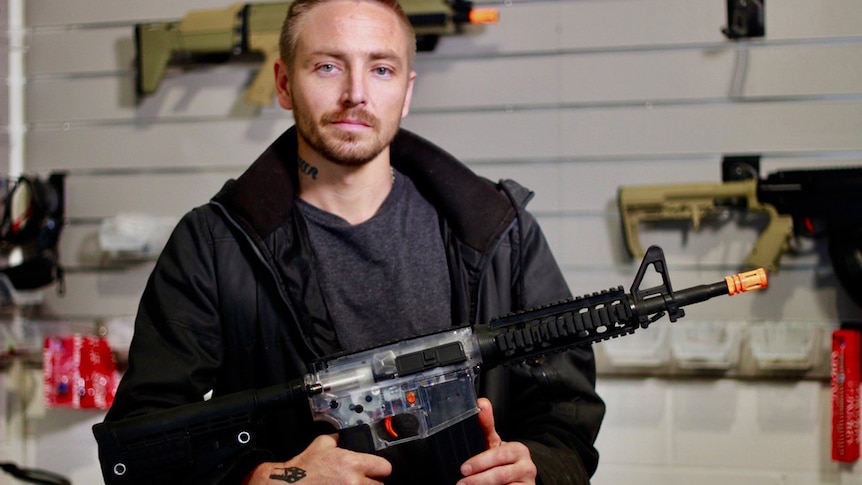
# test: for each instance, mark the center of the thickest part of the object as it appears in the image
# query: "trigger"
(387, 424)
(397, 427)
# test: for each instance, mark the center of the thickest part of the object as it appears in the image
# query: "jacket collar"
(261, 199)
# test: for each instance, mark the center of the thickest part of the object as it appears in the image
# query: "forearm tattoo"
(289, 475)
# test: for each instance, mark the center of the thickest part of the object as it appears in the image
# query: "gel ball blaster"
(399, 392)
(217, 35)
(821, 203)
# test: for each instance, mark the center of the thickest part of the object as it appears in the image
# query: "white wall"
(573, 98)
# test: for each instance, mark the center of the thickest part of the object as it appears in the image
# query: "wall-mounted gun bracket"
(740, 167)
(745, 19)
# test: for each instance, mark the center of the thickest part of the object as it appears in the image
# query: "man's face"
(350, 83)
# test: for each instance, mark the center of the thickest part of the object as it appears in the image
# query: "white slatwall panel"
(548, 80)
(57, 13)
(674, 425)
(537, 134)
(573, 98)
(4, 90)
(8, 447)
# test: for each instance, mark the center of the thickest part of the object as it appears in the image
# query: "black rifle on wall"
(822, 203)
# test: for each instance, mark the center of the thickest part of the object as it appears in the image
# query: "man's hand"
(503, 463)
(323, 462)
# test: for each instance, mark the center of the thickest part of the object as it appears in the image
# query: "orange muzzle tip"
(484, 16)
(748, 281)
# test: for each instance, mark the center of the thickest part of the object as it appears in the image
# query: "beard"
(341, 147)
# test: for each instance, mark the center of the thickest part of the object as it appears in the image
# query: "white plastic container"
(706, 344)
(785, 345)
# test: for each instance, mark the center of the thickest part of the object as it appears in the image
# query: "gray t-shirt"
(387, 278)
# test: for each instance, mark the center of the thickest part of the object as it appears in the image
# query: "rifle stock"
(261, 92)
(254, 28)
(696, 201)
(825, 202)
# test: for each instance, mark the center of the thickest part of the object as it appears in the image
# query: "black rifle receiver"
(824, 203)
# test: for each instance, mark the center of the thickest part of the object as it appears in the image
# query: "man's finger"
(508, 463)
(486, 421)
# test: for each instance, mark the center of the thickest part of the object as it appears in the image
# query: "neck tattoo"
(311, 170)
(307, 169)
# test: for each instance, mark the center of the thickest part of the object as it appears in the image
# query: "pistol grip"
(444, 451)
(772, 242)
(356, 438)
(261, 92)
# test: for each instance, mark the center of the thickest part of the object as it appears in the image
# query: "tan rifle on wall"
(696, 201)
(822, 203)
(253, 28)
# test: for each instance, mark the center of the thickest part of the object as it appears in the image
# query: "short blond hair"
(298, 8)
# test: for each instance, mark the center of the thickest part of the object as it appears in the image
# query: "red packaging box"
(79, 372)
(845, 395)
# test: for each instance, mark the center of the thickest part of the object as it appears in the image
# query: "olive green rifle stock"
(253, 28)
(696, 201)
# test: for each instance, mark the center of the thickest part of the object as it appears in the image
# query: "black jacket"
(233, 304)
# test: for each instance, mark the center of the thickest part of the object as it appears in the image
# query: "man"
(348, 233)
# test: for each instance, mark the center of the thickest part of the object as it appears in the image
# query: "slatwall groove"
(489, 109)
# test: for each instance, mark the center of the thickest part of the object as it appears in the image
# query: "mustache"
(359, 115)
